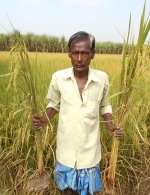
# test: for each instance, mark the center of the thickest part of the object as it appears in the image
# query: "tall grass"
(134, 65)
(16, 117)
(16, 114)
(17, 139)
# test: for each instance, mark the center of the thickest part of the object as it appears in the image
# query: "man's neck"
(81, 75)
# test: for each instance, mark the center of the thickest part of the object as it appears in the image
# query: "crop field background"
(17, 137)
(26, 155)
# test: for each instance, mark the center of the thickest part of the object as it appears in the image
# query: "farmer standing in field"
(79, 94)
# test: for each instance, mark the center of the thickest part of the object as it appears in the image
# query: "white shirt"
(78, 134)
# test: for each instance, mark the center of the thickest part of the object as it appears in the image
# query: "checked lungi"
(82, 180)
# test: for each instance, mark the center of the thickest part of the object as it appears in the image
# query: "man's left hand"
(116, 131)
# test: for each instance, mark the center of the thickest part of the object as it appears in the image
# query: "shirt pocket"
(92, 109)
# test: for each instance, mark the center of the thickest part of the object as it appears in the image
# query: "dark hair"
(80, 36)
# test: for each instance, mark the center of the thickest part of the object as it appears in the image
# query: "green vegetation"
(53, 44)
(24, 81)
(16, 162)
(133, 66)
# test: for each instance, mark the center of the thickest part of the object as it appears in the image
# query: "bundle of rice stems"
(40, 179)
(130, 72)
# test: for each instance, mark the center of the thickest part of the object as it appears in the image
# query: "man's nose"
(79, 57)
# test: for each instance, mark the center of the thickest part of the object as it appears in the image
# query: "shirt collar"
(91, 75)
(69, 74)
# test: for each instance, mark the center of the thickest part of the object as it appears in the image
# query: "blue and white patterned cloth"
(83, 180)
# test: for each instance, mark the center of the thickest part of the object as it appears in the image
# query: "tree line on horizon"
(52, 44)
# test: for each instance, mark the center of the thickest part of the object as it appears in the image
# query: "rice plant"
(134, 65)
(24, 75)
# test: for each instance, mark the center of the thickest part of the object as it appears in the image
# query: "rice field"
(18, 152)
(24, 82)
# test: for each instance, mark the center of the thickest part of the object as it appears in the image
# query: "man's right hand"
(38, 122)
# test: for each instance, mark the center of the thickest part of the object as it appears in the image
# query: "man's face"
(81, 55)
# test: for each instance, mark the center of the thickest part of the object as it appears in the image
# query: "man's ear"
(69, 54)
(92, 54)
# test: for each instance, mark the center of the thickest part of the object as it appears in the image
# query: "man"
(79, 94)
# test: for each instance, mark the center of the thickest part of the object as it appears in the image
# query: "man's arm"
(113, 129)
(40, 121)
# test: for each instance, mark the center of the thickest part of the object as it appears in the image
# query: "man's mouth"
(79, 66)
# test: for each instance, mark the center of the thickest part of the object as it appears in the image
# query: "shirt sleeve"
(53, 96)
(105, 106)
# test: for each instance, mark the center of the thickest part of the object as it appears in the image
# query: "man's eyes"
(85, 53)
(82, 53)
(75, 53)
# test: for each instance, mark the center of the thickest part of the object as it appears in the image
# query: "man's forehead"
(80, 44)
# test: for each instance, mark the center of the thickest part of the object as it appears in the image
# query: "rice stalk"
(29, 90)
(132, 65)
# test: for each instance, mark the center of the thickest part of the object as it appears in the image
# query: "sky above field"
(107, 20)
